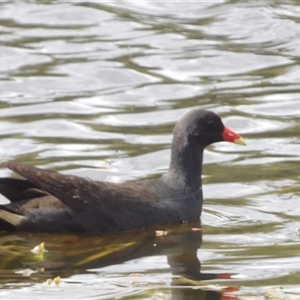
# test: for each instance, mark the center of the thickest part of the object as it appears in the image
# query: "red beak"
(230, 136)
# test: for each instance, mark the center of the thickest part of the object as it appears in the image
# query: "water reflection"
(78, 254)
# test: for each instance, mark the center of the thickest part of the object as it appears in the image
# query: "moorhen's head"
(203, 127)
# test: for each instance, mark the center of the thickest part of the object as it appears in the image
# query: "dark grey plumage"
(48, 201)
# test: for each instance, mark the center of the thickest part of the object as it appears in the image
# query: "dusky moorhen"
(47, 201)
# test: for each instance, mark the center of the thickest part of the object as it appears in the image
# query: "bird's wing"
(77, 192)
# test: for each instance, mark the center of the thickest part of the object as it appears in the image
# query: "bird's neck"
(186, 165)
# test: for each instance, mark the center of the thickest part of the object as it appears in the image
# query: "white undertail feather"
(11, 218)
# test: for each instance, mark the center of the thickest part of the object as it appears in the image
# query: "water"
(94, 88)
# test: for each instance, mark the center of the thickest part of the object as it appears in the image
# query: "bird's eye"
(212, 124)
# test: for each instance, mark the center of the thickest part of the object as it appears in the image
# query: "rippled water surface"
(94, 89)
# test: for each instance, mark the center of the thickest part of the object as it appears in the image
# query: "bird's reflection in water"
(77, 254)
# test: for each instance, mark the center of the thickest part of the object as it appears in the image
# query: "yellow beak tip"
(240, 141)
